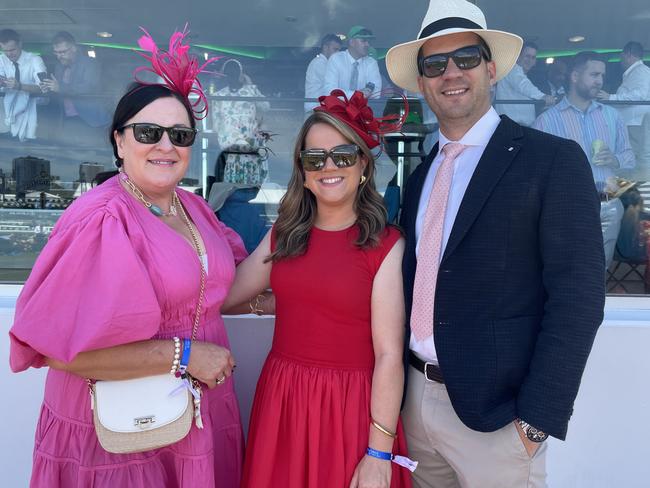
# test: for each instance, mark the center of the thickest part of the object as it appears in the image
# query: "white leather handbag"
(141, 414)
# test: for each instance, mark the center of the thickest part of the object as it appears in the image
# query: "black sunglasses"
(152, 133)
(343, 156)
(465, 58)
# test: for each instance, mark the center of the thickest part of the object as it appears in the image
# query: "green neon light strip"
(562, 54)
(111, 46)
(237, 52)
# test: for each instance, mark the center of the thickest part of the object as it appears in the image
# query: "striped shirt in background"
(598, 122)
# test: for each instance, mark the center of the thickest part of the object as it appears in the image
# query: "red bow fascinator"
(178, 69)
(356, 113)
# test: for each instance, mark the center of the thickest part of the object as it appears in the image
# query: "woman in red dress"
(326, 409)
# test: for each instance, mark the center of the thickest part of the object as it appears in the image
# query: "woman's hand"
(372, 473)
(210, 364)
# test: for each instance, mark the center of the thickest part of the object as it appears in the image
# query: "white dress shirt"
(339, 72)
(517, 86)
(315, 80)
(476, 139)
(635, 87)
(19, 105)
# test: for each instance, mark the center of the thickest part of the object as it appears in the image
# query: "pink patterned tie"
(426, 272)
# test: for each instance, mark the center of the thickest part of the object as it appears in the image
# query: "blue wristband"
(185, 360)
(386, 456)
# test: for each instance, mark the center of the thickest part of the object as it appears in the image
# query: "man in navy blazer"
(518, 283)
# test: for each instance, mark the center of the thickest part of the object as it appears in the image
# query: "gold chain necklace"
(153, 208)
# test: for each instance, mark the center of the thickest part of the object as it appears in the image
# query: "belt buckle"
(426, 371)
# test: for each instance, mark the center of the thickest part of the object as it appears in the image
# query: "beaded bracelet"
(383, 429)
(177, 355)
(185, 360)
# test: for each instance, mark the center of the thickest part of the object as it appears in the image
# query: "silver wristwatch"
(531, 432)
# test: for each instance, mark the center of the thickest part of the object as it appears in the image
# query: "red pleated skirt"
(309, 427)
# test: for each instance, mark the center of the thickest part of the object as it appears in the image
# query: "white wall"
(608, 435)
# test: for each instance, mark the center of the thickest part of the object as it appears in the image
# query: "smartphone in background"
(42, 76)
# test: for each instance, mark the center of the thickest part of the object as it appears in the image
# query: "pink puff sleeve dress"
(113, 273)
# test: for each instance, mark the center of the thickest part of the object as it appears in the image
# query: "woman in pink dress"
(118, 279)
(326, 409)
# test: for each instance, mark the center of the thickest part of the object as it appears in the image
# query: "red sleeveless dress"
(311, 414)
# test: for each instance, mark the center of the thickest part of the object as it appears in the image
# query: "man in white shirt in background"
(635, 87)
(517, 86)
(353, 69)
(19, 71)
(315, 76)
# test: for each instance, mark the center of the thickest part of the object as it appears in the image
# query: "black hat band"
(448, 23)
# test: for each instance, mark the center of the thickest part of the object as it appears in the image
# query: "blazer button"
(442, 323)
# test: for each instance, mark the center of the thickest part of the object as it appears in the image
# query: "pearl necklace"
(153, 208)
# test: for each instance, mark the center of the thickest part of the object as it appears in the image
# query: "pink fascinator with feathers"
(178, 69)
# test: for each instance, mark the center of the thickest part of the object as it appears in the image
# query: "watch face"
(536, 435)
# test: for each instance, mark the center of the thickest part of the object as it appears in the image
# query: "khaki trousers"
(450, 455)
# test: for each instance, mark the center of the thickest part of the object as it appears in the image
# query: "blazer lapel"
(499, 153)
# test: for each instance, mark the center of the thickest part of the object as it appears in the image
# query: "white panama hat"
(449, 17)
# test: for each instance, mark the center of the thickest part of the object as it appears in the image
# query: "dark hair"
(631, 197)
(7, 35)
(63, 36)
(634, 48)
(327, 38)
(481, 42)
(529, 44)
(297, 211)
(580, 60)
(135, 99)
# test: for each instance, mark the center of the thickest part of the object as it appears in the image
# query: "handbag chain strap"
(197, 313)
(197, 246)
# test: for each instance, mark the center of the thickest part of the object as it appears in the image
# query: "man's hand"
(50, 85)
(602, 95)
(549, 100)
(11, 83)
(531, 447)
(605, 157)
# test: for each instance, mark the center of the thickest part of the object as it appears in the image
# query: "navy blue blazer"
(521, 285)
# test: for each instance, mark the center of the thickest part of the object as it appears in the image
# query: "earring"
(363, 179)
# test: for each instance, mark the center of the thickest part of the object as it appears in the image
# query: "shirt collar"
(627, 71)
(480, 133)
(351, 59)
(565, 104)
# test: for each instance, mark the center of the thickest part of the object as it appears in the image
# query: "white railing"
(607, 444)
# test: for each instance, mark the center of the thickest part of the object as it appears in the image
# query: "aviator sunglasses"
(343, 156)
(465, 58)
(146, 133)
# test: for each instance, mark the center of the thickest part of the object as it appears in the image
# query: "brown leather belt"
(431, 371)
